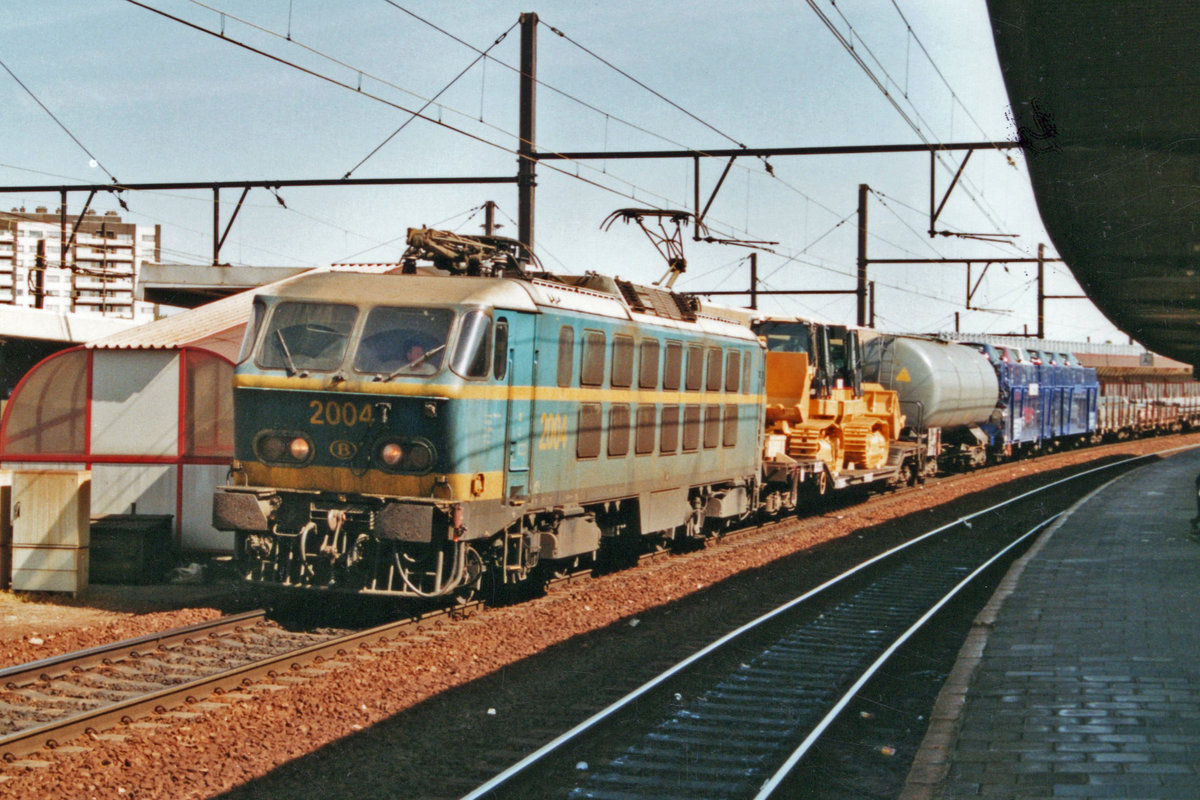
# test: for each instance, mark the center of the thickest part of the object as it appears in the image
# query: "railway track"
(41, 683)
(48, 702)
(736, 718)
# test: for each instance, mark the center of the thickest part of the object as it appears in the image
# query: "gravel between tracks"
(246, 736)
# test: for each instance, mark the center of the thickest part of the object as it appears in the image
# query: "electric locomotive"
(414, 435)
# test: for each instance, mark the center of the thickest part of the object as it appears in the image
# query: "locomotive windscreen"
(307, 336)
(403, 340)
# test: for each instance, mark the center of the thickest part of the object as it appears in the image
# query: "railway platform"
(1082, 677)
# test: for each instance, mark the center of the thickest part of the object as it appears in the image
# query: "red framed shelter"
(149, 411)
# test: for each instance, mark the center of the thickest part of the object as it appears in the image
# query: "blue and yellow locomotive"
(413, 435)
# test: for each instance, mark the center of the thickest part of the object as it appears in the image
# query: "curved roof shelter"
(148, 410)
(1106, 96)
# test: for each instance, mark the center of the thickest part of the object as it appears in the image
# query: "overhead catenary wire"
(850, 49)
(608, 115)
(936, 68)
(643, 85)
(57, 121)
(225, 37)
(567, 173)
(342, 84)
(481, 57)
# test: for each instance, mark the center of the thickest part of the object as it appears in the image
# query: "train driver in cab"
(416, 360)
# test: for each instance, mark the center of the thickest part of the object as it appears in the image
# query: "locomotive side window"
(257, 313)
(622, 361)
(648, 364)
(672, 366)
(732, 370)
(669, 441)
(643, 442)
(591, 368)
(500, 362)
(746, 372)
(695, 368)
(714, 370)
(618, 430)
(473, 356)
(691, 428)
(403, 341)
(712, 427)
(731, 426)
(587, 442)
(566, 354)
(307, 336)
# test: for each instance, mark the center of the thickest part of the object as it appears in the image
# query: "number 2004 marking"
(335, 413)
(554, 432)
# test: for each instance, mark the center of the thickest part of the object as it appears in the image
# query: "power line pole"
(526, 159)
(754, 280)
(1041, 292)
(861, 292)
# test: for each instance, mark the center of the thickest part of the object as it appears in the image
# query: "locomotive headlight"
(271, 448)
(419, 457)
(300, 448)
(391, 453)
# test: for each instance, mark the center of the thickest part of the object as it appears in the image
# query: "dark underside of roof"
(1106, 95)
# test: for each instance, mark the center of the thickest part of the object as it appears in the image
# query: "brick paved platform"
(1082, 678)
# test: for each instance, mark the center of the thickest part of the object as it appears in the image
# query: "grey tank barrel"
(940, 384)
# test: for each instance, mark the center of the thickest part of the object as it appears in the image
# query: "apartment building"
(104, 256)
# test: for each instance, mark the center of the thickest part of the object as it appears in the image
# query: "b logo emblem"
(342, 450)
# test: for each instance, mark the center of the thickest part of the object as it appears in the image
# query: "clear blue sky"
(154, 100)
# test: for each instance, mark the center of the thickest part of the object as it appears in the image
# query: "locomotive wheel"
(473, 580)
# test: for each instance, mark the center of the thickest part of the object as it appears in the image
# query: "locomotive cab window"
(473, 356)
(500, 362)
(403, 341)
(252, 328)
(307, 336)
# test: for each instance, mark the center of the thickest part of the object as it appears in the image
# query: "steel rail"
(52, 667)
(591, 722)
(772, 783)
(53, 733)
(50, 734)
